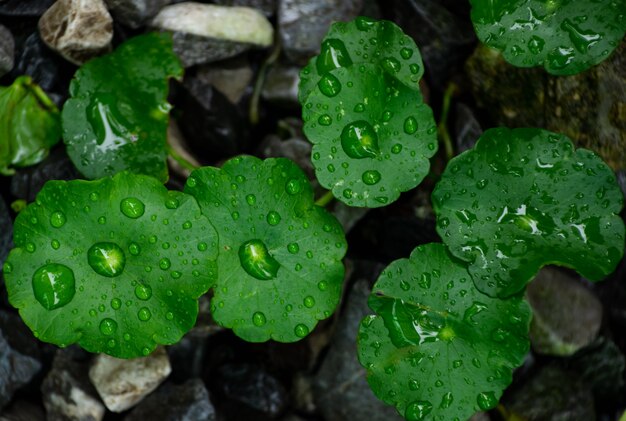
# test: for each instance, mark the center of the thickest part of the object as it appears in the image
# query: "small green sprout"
(363, 111)
(279, 262)
(117, 116)
(524, 198)
(565, 37)
(116, 265)
(30, 125)
(438, 348)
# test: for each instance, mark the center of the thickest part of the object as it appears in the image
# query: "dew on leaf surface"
(53, 285)
(132, 207)
(257, 261)
(106, 259)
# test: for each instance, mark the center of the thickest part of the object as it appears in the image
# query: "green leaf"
(524, 198)
(117, 116)
(29, 125)
(565, 37)
(115, 264)
(372, 134)
(438, 348)
(280, 269)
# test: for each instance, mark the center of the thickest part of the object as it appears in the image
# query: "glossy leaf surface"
(117, 116)
(30, 124)
(116, 264)
(363, 111)
(524, 198)
(437, 348)
(280, 268)
(565, 37)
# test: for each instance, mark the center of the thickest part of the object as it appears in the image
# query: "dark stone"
(566, 315)
(231, 77)
(195, 49)
(186, 402)
(553, 394)
(19, 356)
(22, 410)
(247, 391)
(67, 392)
(304, 23)
(134, 13)
(281, 86)
(27, 182)
(6, 233)
(444, 39)
(24, 7)
(467, 129)
(7, 50)
(340, 387)
(213, 127)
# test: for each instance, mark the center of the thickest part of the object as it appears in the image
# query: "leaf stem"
(179, 158)
(260, 81)
(325, 199)
(442, 127)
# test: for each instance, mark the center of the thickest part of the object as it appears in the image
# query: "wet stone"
(66, 390)
(134, 13)
(22, 410)
(467, 129)
(122, 384)
(19, 356)
(185, 402)
(7, 50)
(281, 86)
(304, 23)
(249, 390)
(340, 386)
(231, 77)
(79, 30)
(24, 7)
(566, 315)
(205, 33)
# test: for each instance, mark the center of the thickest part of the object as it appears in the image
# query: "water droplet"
(446, 400)
(57, 219)
(257, 261)
(481, 184)
(53, 285)
(134, 249)
(359, 140)
(414, 68)
(251, 199)
(329, 85)
(293, 248)
(169, 315)
(582, 40)
(108, 326)
(7, 267)
(322, 285)
(143, 292)
(396, 149)
(333, 55)
(202, 246)
(144, 314)
(93, 196)
(309, 302)
(301, 330)
(371, 177)
(535, 44)
(187, 225)
(410, 125)
(406, 53)
(486, 400)
(417, 410)
(235, 215)
(55, 244)
(293, 186)
(116, 303)
(172, 203)
(325, 120)
(391, 65)
(364, 23)
(359, 108)
(132, 207)
(106, 259)
(30, 247)
(102, 220)
(472, 311)
(258, 319)
(273, 218)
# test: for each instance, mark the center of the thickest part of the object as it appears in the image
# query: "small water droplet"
(102, 220)
(132, 207)
(108, 326)
(486, 400)
(169, 315)
(53, 285)
(410, 125)
(417, 410)
(309, 302)
(116, 303)
(329, 85)
(134, 249)
(106, 259)
(371, 177)
(391, 65)
(273, 218)
(251, 199)
(325, 120)
(301, 330)
(143, 292)
(406, 53)
(202, 246)
(144, 314)
(293, 248)
(55, 244)
(187, 225)
(57, 219)
(30, 247)
(172, 203)
(259, 319)
(293, 186)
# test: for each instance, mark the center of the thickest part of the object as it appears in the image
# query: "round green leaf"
(280, 269)
(115, 264)
(117, 116)
(372, 134)
(565, 37)
(524, 198)
(29, 125)
(437, 348)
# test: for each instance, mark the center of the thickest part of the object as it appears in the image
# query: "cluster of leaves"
(134, 281)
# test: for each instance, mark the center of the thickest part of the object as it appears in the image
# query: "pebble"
(77, 29)
(205, 33)
(7, 51)
(122, 384)
(24, 7)
(135, 13)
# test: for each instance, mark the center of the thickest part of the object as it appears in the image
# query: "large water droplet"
(301, 330)
(391, 64)
(333, 55)
(143, 292)
(258, 319)
(108, 326)
(359, 140)
(417, 410)
(371, 177)
(108, 123)
(57, 219)
(106, 259)
(581, 39)
(257, 261)
(293, 186)
(486, 400)
(132, 207)
(472, 311)
(410, 125)
(329, 85)
(53, 285)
